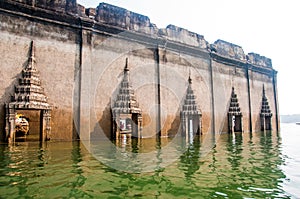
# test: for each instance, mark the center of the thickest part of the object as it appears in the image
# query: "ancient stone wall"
(55, 5)
(257, 81)
(81, 54)
(56, 55)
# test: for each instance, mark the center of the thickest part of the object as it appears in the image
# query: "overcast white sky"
(267, 27)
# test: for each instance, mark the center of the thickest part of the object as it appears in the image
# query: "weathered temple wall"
(110, 56)
(81, 55)
(55, 5)
(56, 54)
(175, 71)
(257, 81)
(225, 77)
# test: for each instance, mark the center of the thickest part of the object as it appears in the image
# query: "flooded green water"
(261, 165)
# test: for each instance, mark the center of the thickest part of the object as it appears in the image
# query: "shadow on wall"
(175, 126)
(104, 125)
(75, 131)
(224, 126)
(257, 124)
(224, 123)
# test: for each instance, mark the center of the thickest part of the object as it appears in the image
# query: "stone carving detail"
(234, 114)
(190, 115)
(265, 113)
(127, 116)
(29, 95)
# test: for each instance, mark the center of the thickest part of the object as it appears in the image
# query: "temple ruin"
(63, 69)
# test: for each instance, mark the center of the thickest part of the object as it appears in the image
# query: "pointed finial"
(32, 49)
(190, 79)
(232, 91)
(264, 92)
(31, 59)
(126, 65)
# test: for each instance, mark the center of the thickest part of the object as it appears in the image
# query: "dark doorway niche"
(235, 117)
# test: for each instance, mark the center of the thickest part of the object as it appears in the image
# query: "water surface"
(257, 165)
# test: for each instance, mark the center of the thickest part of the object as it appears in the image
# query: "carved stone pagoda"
(126, 114)
(234, 114)
(190, 115)
(29, 95)
(265, 113)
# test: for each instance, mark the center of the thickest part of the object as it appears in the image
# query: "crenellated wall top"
(127, 20)
(236, 52)
(116, 16)
(55, 5)
(174, 33)
(259, 60)
(120, 17)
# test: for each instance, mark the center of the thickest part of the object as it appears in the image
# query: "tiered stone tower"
(127, 116)
(234, 114)
(29, 95)
(265, 113)
(190, 115)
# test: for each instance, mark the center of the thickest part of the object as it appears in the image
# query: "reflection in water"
(235, 148)
(79, 179)
(189, 161)
(239, 166)
(18, 164)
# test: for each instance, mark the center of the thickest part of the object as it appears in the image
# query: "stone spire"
(190, 115)
(126, 102)
(265, 108)
(190, 106)
(234, 107)
(29, 93)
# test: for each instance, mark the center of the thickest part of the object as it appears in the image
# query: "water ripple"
(258, 165)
